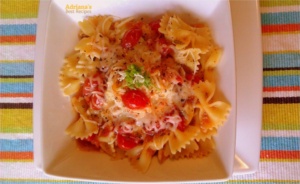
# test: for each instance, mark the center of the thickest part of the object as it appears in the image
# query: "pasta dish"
(144, 89)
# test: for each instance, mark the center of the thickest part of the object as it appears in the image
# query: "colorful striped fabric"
(280, 147)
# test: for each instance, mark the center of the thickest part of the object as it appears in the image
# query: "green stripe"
(280, 18)
(282, 73)
(16, 120)
(272, 3)
(15, 9)
(281, 117)
(267, 181)
(16, 80)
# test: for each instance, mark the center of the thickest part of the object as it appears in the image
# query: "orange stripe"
(16, 155)
(267, 154)
(280, 28)
(287, 88)
(11, 95)
(12, 39)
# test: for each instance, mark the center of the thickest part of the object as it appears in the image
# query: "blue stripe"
(16, 87)
(18, 145)
(20, 29)
(281, 60)
(10, 69)
(281, 143)
(280, 18)
(273, 81)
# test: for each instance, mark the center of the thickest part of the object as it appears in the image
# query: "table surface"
(280, 141)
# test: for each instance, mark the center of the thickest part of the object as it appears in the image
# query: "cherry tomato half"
(154, 25)
(127, 141)
(131, 38)
(135, 99)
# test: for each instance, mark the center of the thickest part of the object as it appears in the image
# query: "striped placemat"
(280, 148)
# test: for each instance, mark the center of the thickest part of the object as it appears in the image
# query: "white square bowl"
(58, 153)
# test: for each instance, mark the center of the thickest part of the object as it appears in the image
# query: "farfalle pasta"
(144, 89)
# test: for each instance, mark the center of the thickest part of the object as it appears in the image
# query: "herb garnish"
(135, 77)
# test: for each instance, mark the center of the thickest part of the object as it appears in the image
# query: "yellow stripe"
(14, 9)
(282, 52)
(282, 73)
(18, 43)
(272, 3)
(281, 117)
(16, 160)
(279, 160)
(16, 120)
(16, 80)
(281, 33)
(16, 61)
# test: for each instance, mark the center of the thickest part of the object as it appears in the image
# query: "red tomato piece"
(154, 25)
(92, 92)
(131, 38)
(93, 139)
(162, 41)
(194, 78)
(127, 141)
(88, 87)
(135, 99)
(96, 101)
(179, 79)
(165, 49)
(105, 132)
(181, 126)
(135, 25)
(189, 76)
(91, 84)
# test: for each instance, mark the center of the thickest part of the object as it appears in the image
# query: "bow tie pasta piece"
(92, 46)
(140, 157)
(216, 112)
(158, 142)
(96, 24)
(187, 152)
(70, 78)
(144, 160)
(84, 126)
(205, 148)
(179, 140)
(189, 57)
(212, 60)
(184, 35)
(206, 134)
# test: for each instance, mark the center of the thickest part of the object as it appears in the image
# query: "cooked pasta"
(144, 89)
